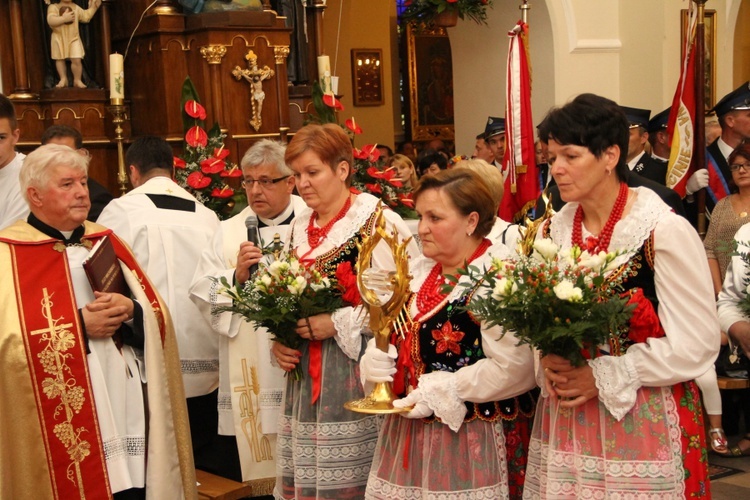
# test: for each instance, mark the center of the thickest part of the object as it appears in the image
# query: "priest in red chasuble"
(91, 398)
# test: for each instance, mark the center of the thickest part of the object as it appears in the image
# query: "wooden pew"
(211, 487)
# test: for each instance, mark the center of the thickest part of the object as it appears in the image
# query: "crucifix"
(255, 77)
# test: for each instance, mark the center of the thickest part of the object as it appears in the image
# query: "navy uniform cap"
(494, 127)
(636, 117)
(739, 98)
(659, 121)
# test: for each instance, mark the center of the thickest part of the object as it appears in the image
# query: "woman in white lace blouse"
(468, 433)
(628, 423)
(324, 450)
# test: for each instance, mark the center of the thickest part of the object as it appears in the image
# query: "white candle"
(116, 77)
(324, 74)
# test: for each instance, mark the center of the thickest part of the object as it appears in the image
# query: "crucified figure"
(255, 77)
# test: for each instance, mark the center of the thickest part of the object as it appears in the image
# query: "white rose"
(503, 288)
(566, 290)
(546, 248)
(275, 269)
(594, 262)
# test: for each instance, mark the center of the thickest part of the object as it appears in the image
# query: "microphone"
(253, 235)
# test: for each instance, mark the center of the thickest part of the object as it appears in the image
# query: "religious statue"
(255, 77)
(63, 18)
(197, 6)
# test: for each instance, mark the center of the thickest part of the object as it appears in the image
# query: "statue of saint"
(65, 43)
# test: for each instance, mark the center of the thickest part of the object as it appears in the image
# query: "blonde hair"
(36, 168)
(490, 175)
(404, 160)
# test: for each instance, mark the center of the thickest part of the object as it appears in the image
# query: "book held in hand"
(103, 269)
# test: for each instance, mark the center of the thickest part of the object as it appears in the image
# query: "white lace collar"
(629, 233)
(422, 266)
(362, 208)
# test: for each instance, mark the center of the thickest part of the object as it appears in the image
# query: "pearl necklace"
(315, 235)
(601, 243)
(430, 293)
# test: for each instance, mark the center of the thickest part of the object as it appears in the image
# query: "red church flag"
(681, 125)
(522, 183)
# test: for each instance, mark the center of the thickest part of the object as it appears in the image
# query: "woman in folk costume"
(324, 450)
(468, 432)
(628, 423)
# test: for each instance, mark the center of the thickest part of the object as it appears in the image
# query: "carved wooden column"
(280, 54)
(213, 55)
(22, 89)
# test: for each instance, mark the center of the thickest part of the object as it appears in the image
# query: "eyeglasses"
(263, 183)
(735, 167)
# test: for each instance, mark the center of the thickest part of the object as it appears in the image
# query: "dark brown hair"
(468, 193)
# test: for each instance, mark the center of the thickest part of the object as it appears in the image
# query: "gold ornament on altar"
(385, 315)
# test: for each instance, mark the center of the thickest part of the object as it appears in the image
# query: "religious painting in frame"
(709, 21)
(430, 83)
(367, 76)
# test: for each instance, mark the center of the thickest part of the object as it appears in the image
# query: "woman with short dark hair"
(628, 423)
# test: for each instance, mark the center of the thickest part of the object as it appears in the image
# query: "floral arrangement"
(558, 302)
(370, 173)
(203, 169)
(284, 291)
(425, 11)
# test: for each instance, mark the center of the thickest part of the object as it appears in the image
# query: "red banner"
(522, 184)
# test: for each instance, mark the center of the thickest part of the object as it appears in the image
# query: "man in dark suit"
(658, 136)
(494, 136)
(638, 160)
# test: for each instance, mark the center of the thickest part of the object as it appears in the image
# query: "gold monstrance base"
(378, 402)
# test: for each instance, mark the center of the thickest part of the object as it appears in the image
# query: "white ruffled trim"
(422, 266)
(618, 383)
(362, 208)
(439, 392)
(348, 334)
(630, 232)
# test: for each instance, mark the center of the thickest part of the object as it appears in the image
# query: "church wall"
(364, 25)
(627, 50)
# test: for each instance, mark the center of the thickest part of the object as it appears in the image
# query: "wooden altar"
(166, 47)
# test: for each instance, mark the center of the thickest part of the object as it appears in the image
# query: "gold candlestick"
(117, 108)
(384, 315)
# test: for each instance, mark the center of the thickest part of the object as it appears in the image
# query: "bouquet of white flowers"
(562, 303)
(281, 293)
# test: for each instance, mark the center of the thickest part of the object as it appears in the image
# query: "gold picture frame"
(709, 21)
(367, 77)
(430, 83)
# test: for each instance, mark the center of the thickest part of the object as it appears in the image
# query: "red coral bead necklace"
(315, 235)
(430, 293)
(598, 244)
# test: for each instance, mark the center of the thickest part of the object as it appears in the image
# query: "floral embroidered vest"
(450, 339)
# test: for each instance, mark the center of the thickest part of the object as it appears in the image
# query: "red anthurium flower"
(212, 165)
(195, 110)
(197, 180)
(396, 183)
(232, 172)
(374, 188)
(331, 101)
(224, 192)
(452, 1)
(179, 162)
(354, 190)
(372, 151)
(196, 136)
(352, 125)
(359, 154)
(406, 200)
(221, 153)
(376, 173)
